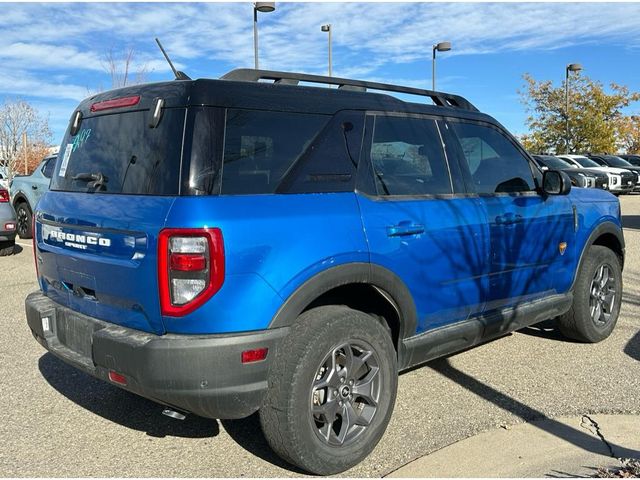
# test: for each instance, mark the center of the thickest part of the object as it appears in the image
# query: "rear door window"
(120, 153)
(407, 157)
(49, 166)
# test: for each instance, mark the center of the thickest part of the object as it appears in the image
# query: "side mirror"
(555, 182)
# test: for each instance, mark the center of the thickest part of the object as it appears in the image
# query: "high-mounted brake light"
(115, 103)
(4, 196)
(190, 268)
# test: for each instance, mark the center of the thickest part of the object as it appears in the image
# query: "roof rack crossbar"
(439, 98)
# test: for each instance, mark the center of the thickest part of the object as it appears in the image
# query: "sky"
(54, 54)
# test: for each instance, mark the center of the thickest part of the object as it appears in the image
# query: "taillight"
(115, 103)
(190, 268)
(34, 230)
(4, 196)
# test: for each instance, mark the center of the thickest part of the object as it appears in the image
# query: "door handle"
(403, 229)
(35, 187)
(508, 219)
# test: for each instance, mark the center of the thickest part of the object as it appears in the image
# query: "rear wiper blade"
(96, 180)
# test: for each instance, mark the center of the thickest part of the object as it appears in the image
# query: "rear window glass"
(120, 153)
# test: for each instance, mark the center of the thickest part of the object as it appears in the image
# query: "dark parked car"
(580, 177)
(632, 159)
(252, 243)
(615, 161)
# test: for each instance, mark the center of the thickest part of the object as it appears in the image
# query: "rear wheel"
(7, 248)
(23, 227)
(597, 297)
(332, 389)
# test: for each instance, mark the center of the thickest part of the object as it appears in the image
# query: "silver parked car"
(7, 224)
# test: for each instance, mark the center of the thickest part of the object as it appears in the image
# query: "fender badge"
(562, 247)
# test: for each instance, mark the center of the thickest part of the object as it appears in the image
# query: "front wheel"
(332, 389)
(597, 296)
(23, 227)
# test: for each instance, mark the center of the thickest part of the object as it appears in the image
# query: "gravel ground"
(58, 422)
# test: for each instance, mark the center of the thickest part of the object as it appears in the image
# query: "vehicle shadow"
(631, 221)
(527, 413)
(632, 348)
(120, 406)
(247, 433)
(547, 330)
(17, 249)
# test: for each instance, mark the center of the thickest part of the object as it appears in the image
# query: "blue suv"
(252, 244)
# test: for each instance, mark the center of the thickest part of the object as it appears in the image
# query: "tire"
(25, 217)
(7, 248)
(597, 296)
(299, 382)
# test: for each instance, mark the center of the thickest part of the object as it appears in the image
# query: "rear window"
(120, 153)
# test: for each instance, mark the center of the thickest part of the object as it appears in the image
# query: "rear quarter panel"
(273, 244)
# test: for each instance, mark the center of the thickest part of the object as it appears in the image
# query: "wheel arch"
(606, 234)
(21, 198)
(363, 286)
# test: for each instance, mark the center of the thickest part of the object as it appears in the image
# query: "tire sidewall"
(598, 256)
(362, 328)
(23, 206)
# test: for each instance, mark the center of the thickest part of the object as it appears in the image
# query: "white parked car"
(621, 181)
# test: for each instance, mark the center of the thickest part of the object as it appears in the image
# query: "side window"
(261, 146)
(495, 164)
(407, 157)
(49, 167)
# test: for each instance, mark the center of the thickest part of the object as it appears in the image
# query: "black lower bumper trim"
(202, 374)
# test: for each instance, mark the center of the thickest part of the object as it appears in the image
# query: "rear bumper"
(7, 236)
(202, 374)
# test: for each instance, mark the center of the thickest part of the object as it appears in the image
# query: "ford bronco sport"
(253, 244)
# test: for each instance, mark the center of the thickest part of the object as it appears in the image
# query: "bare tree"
(119, 67)
(19, 121)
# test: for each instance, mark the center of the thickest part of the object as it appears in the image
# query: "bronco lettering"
(81, 239)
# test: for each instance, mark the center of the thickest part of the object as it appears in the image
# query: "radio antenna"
(177, 73)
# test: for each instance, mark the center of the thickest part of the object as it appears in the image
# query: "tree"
(595, 117)
(17, 119)
(119, 67)
(629, 138)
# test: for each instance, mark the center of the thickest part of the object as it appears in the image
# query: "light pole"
(264, 7)
(572, 67)
(327, 28)
(440, 47)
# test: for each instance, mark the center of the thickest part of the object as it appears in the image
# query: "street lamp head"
(442, 46)
(326, 28)
(574, 67)
(265, 7)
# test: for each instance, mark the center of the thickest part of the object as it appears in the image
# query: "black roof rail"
(290, 78)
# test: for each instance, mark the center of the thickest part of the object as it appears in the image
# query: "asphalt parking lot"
(58, 422)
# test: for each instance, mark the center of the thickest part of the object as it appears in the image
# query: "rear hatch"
(117, 178)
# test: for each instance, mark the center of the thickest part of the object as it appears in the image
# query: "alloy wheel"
(345, 393)
(602, 295)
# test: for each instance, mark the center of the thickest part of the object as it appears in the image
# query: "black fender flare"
(385, 281)
(606, 227)
(19, 198)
